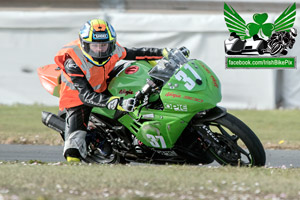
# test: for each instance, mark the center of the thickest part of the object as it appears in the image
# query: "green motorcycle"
(177, 119)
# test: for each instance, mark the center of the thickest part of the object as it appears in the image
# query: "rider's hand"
(165, 52)
(117, 103)
(185, 51)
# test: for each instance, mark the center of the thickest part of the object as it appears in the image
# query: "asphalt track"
(275, 158)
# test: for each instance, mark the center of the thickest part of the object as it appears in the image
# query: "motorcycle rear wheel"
(100, 159)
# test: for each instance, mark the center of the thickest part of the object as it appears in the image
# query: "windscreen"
(166, 67)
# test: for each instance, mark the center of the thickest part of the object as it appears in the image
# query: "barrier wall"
(31, 39)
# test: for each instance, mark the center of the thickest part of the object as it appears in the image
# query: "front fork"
(206, 136)
(223, 146)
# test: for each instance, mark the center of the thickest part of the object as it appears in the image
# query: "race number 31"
(189, 83)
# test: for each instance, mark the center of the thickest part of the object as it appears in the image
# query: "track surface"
(275, 158)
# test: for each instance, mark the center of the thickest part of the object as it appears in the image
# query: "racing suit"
(77, 117)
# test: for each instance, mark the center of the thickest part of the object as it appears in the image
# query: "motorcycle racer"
(86, 64)
(177, 118)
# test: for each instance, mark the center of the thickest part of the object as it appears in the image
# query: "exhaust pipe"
(54, 122)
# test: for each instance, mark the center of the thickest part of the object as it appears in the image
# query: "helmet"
(97, 40)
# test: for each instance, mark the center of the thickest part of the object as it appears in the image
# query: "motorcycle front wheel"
(235, 143)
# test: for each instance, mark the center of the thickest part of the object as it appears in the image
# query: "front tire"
(237, 140)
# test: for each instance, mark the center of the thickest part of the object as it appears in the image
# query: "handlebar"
(145, 90)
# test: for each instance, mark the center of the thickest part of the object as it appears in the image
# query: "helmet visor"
(99, 49)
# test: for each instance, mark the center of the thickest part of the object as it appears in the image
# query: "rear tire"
(110, 159)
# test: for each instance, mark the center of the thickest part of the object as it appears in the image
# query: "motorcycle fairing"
(50, 77)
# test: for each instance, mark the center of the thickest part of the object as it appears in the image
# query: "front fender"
(209, 115)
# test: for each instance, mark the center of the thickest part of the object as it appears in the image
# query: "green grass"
(22, 124)
(65, 181)
(275, 128)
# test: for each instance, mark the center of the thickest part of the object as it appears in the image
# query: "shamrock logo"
(235, 23)
(260, 26)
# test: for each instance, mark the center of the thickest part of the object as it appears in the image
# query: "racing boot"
(72, 155)
(75, 146)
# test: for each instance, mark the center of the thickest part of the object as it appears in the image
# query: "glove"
(185, 51)
(165, 52)
(118, 103)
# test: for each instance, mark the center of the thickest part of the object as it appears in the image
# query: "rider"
(86, 64)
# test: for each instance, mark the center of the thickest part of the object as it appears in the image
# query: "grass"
(22, 124)
(35, 180)
(146, 182)
(279, 129)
